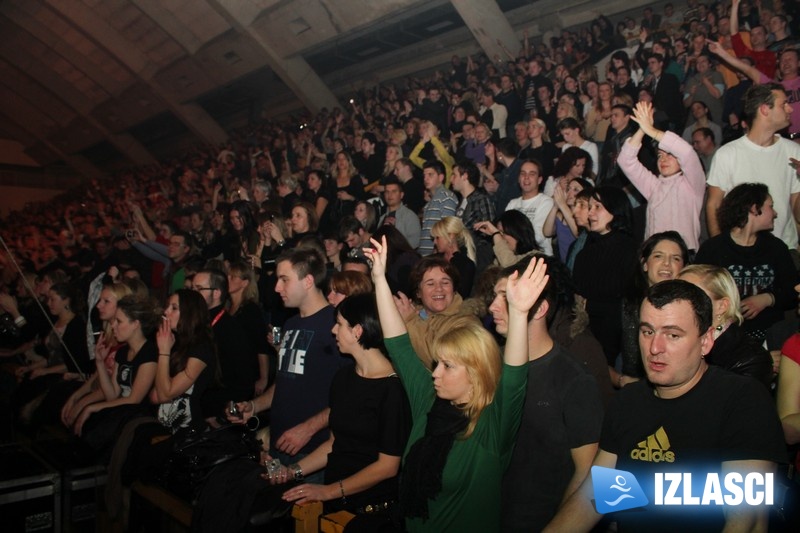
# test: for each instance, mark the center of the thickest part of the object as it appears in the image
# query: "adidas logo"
(654, 449)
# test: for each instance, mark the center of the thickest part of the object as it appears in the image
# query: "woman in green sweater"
(465, 419)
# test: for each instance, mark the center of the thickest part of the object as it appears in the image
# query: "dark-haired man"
(308, 358)
(760, 156)
(442, 204)
(561, 421)
(397, 214)
(662, 425)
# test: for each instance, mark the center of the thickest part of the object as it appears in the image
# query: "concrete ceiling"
(97, 84)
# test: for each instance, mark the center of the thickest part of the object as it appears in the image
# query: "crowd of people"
(451, 298)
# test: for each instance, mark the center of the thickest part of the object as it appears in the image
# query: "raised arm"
(391, 321)
(522, 292)
(750, 71)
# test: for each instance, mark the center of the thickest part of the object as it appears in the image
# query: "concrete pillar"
(295, 71)
(488, 25)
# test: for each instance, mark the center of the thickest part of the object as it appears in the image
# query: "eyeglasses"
(201, 289)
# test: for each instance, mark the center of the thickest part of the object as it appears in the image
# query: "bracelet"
(497, 233)
(19, 320)
(341, 488)
(163, 355)
(297, 471)
(772, 296)
(252, 407)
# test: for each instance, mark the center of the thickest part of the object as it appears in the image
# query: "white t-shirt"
(742, 161)
(536, 209)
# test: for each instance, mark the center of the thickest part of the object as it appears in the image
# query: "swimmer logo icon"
(616, 490)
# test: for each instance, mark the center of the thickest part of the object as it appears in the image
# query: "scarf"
(422, 473)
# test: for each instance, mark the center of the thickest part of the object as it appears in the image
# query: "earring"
(719, 326)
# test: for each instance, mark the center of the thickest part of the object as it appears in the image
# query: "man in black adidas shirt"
(686, 418)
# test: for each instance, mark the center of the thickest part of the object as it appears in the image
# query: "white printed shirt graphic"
(294, 346)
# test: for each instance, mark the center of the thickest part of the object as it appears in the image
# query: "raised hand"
(524, 289)
(378, 254)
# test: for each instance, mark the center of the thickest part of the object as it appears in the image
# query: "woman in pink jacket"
(675, 196)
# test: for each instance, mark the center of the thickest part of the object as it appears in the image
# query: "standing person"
(465, 420)
(245, 308)
(560, 221)
(502, 186)
(369, 419)
(540, 148)
(603, 267)
(442, 203)
(570, 129)
(397, 214)
(347, 187)
(675, 196)
(238, 362)
(669, 413)
(454, 241)
(307, 361)
(474, 207)
(758, 261)
(413, 185)
(534, 204)
(666, 92)
(561, 421)
(764, 155)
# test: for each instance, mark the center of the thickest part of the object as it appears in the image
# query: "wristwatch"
(297, 472)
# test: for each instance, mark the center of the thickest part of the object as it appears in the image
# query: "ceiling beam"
(92, 25)
(294, 71)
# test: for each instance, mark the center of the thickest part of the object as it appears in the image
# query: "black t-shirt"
(308, 358)
(185, 411)
(563, 410)
(724, 417)
(368, 417)
(126, 370)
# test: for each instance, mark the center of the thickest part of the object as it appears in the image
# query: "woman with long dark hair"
(244, 238)
(186, 361)
(513, 237)
(604, 266)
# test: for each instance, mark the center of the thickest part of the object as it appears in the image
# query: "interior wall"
(14, 198)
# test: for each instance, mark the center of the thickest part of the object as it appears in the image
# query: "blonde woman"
(454, 241)
(465, 419)
(243, 291)
(733, 349)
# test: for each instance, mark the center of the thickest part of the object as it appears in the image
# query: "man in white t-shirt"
(761, 156)
(532, 203)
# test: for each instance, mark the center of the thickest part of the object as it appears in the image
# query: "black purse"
(196, 454)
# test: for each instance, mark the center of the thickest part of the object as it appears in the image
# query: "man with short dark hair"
(493, 114)
(764, 58)
(442, 204)
(666, 91)
(413, 186)
(760, 156)
(475, 206)
(561, 420)
(370, 160)
(662, 423)
(502, 186)
(704, 143)
(308, 358)
(397, 214)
